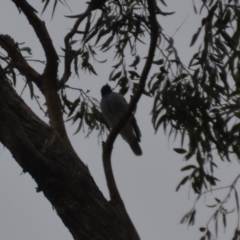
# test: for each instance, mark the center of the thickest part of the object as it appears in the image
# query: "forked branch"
(108, 145)
(49, 79)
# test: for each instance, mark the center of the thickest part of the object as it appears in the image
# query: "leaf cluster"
(201, 102)
(85, 110)
(121, 27)
(118, 26)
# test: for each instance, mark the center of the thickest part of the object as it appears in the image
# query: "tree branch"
(93, 5)
(43, 36)
(59, 174)
(49, 78)
(13, 51)
(68, 48)
(108, 145)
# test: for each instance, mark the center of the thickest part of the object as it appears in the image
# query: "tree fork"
(64, 180)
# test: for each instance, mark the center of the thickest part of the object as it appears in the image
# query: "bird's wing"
(122, 104)
(112, 106)
(118, 103)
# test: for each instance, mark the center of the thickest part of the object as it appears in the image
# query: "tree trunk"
(58, 172)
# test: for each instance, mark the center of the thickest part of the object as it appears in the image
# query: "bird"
(112, 106)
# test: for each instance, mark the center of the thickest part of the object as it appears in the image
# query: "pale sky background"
(147, 183)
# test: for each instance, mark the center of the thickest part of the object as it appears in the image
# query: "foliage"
(202, 101)
(198, 102)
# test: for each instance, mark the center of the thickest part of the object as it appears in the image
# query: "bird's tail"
(136, 148)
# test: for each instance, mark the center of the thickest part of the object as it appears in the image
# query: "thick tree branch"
(43, 36)
(60, 175)
(49, 78)
(108, 145)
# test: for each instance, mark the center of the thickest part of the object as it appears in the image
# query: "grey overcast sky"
(147, 183)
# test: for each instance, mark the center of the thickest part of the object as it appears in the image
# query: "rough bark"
(46, 153)
(59, 174)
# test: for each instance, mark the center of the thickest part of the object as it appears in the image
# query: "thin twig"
(68, 48)
(93, 5)
(232, 187)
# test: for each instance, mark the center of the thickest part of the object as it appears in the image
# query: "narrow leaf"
(180, 150)
(188, 167)
(184, 180)
(195, 36)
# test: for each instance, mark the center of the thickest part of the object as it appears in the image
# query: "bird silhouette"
(112, 106)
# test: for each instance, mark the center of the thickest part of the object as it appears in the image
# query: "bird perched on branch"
(112, 106)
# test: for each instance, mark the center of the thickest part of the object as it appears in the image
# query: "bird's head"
(105, 90)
